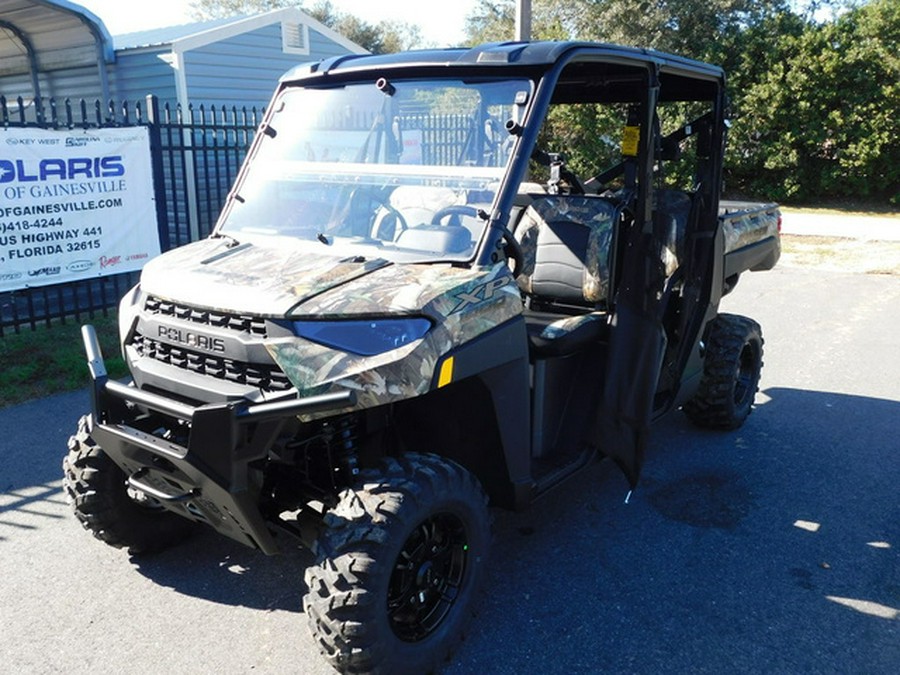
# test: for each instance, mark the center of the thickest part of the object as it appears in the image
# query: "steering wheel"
(513, 250)
(454, 210)
(382, 219)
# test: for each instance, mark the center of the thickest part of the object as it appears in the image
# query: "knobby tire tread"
(359, 537)
(713, 405)
(96, 490)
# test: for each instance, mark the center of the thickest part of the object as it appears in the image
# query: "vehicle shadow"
(206, 566)
(770, 548)
(223, 571)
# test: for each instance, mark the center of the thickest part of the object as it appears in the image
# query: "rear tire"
(731, 371)
(398, 567)
(98, 492)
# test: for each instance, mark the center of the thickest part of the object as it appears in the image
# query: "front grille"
(261, 376)
(240, 323)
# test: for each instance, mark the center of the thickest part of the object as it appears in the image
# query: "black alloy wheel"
(427, 577)
(399, 565)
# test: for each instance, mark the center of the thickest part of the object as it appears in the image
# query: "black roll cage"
(611, 74)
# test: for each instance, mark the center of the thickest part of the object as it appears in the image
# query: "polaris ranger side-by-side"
(413, 306)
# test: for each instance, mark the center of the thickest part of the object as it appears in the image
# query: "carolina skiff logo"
(81, 141)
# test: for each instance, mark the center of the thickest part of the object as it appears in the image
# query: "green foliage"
(382, 38)
(218, 9)
(696, 28)
(814, 100)
(821, 122)
(491, 21)
(588, 135)
(51, 359)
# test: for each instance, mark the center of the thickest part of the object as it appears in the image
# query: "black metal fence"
(196, 156)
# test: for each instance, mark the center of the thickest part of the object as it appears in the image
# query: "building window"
(294, 37)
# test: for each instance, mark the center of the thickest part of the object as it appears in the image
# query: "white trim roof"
(195, 35)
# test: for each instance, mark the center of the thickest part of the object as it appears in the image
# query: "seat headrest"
(566, 241)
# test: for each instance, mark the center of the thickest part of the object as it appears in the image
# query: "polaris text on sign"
(74, 204)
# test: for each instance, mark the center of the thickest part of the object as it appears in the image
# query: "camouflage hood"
(249, 279)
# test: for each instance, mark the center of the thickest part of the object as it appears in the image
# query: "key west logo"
(73, 168)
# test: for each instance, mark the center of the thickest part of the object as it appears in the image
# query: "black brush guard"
(208, 479)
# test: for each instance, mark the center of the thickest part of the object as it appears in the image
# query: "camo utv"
(413, 306)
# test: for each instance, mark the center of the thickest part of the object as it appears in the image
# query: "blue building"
(58, 49)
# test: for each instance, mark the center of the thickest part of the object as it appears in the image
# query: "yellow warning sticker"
(630, 138)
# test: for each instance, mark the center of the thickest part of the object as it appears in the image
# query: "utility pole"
(523, 20)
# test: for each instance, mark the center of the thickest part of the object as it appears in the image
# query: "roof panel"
(190, 36)
(167, 35)
(509, 57)
(74, 36)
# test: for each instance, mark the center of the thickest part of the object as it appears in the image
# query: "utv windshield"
(401, 170)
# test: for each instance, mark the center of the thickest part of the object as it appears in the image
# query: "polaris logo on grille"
(190, 339)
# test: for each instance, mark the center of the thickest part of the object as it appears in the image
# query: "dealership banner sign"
(74, 204)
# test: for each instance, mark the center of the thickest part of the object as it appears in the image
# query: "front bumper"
(206, 476)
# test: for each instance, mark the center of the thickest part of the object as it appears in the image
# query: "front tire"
(398, 567)
(97, 490)
(731, 370)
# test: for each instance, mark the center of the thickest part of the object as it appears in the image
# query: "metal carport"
(40, 36)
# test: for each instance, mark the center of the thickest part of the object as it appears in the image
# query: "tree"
(220, 9)
(384, 37)
(494, 20)
(822, 123)
(695, 28)
(814, 85)
(704, 29)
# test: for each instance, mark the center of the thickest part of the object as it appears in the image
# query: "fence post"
(159, 186)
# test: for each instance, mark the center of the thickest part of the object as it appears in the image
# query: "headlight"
(366, 338)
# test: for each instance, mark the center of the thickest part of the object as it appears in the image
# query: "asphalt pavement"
(771, 549)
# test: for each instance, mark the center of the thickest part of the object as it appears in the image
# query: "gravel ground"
(839, 254)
